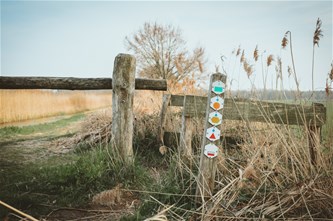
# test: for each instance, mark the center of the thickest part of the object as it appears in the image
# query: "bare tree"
(161, 53)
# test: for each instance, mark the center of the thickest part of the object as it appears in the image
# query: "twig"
(18, 211)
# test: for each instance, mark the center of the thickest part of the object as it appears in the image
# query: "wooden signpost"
(211, 145)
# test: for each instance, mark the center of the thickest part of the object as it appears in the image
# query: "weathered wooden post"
(211, 137)
(314, 142)
(163, 115)
(185, 147)
(123, 85)
(314, 132)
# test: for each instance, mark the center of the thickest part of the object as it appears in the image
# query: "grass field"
(20, 105)
(268, 175)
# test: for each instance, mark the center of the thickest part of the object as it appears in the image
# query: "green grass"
(174, 186)
(69, 182)
(72, 179)
(13, 131)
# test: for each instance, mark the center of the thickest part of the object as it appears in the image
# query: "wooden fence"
(70, 83)
(123, 83)
(311, 116)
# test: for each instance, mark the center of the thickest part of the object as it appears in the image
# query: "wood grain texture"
(122, 105)
(186, 133)
(163, 114)
(70, 83)
(257, 111)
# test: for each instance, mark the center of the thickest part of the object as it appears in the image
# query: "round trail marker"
(211, 150)
(213, 134)
(217, 103)
(215, 118)
(218, 87)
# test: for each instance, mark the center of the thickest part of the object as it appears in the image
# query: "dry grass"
(108, 197)
(19, 105)
(96, 128)
(269, 175)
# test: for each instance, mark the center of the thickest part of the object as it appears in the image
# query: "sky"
(82, 38)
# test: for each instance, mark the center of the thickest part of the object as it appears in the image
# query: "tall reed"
(20, 105)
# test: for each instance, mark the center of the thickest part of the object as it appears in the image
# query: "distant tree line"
(281, 95)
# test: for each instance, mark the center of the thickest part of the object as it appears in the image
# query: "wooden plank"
(70, 83)
(178, 100)
(257, 111)
(122, 106)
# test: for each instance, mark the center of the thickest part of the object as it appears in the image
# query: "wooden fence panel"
(257, 111)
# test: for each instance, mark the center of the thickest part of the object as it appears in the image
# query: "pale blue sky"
(82, 38)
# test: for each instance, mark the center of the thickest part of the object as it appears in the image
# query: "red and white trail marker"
(213, 134)
(211, 150)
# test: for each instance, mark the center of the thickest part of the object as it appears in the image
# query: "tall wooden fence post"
(185, 147)
(314, 135)
(314, 142)
(163, 116)
(211, 137)
(123, 84)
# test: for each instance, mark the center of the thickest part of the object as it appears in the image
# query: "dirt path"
(35, 143)
(27, 148)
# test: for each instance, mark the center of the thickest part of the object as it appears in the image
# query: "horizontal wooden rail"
(258, 111)
(70, 83)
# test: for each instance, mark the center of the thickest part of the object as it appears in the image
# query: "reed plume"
(242, 59)
(248, 68)
(285, 40)
(256, 53)
(284, 44)
(318, 33)
(316, 38)
(238, 51)
(270, 59)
